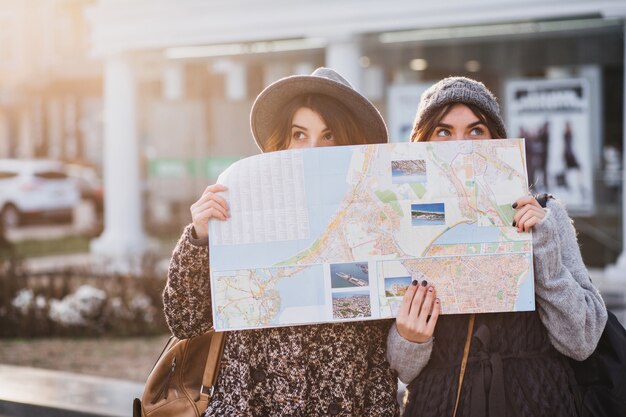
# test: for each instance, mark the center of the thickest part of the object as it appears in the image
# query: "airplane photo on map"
(397, 286)
(430, 214)
(351, 304)
(408, 171)
(349, 275)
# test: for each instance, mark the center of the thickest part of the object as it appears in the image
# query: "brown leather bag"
(182, 380)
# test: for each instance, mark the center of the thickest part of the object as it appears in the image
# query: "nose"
(459, 136)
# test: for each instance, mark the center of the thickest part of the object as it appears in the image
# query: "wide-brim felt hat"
(322, 81)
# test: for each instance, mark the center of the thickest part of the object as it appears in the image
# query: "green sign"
(209, 168)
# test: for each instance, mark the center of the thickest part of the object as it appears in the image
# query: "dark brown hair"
(423, 130)
(338, 118)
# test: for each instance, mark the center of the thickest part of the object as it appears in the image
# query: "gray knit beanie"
(460, 90)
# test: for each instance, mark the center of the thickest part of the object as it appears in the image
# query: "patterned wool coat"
(315, 370)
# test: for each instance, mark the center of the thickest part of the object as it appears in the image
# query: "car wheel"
(10, 217)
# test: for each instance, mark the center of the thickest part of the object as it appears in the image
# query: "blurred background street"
(115, 115)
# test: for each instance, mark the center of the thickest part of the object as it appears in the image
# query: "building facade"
(180, 77)
(50, 89)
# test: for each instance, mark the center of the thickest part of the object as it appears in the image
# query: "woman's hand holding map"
(529, 213)
(418, 313)
(209, 205)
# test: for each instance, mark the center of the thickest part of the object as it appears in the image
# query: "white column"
(26, 145)
(373, 86)
(236, 85)
(38, 127)
(5, 139)
(71, 131)
(342, 55)
(123, 237)
(235, 75)
(617, 273)
(55, 129)
(173, 81)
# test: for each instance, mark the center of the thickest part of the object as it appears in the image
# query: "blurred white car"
(89, 184)
(31, 187)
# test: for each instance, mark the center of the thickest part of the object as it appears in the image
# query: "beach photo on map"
(431, 214)
(351, 304)
(349, 275)
(397, 286)
(408, 171)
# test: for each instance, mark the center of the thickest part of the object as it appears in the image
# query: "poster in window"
(554, 118)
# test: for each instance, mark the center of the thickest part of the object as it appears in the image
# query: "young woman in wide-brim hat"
(326, 369)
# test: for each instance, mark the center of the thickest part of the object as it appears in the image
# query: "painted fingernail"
(414, 283)
(437, 300)
(424, 283)
(430, 289)
(514, 223)
(514, 205)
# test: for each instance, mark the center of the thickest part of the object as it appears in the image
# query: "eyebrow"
(447, 126)
(327, 129)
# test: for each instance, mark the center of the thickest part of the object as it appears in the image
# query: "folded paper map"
(338, 233)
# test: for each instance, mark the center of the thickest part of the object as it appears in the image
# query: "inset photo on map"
(397, 286)
(430, 214)
(349, 275)
(351, 304)
(408, 171)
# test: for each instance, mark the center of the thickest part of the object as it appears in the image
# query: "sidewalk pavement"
(28, 391)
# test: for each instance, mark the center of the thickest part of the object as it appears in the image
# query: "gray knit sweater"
(569, 306)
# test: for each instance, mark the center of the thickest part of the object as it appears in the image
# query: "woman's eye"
(477, 131)
(329, 137)
(442, 133)
(298, 135)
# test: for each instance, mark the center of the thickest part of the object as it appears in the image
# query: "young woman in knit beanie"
(516, 363)
(315, 370)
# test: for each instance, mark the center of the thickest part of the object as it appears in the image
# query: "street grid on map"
(435, 211)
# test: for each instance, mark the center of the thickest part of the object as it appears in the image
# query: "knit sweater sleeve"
(405, 357)
(569, 305)
(187, 293)
(382, 384)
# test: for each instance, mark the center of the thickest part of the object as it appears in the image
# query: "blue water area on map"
(303, 289)
(325, 172)
(469, 233)
(358, 270)
(399, 177)
(526, 296)
(435, 208)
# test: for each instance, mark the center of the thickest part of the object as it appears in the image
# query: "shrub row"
(77, 302)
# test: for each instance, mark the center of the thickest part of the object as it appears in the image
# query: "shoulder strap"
(213, 361)
(466, 349)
